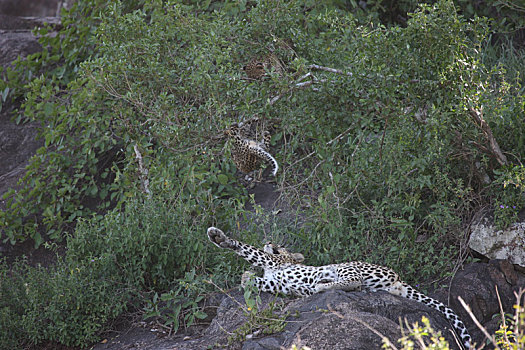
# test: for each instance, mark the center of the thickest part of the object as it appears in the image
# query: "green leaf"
(223, 179)
(48, 109)
(200, 314)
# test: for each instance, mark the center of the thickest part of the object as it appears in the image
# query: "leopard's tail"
(269, 159)
(405, 290)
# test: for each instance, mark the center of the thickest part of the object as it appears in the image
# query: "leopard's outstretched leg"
(217, 237)
(251, 254)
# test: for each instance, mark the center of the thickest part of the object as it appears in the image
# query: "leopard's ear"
(298, 257)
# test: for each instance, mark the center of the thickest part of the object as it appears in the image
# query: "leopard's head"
(255, 69)
(283, 253)
(233, 130)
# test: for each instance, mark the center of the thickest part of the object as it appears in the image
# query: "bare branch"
(328, 69)
(480, 326)
(300, 85)
(493, 144)
(143, 171)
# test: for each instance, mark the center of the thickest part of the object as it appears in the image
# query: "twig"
(357, 146)
(309, 74)
(343, 133)
(519, 309)
(480, 326)
(309, 82)
(504, 325)
(143, 171)
(383, 139)
(338, 137)
(275, 99)
(307, 178)
(300, 85)
(375, 331)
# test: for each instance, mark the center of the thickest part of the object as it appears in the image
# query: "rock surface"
(476, 284)
(331, 320)
(342, 320)
(336, 319)
(38, 8)
(18, 142)
(509, 243)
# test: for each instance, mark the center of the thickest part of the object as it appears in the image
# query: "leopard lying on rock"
(283, 273)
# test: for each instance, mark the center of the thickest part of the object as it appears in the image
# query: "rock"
(509, 243)
(330, 320)
(230, 316)
(13, 23)
(30, 7)
(18, 142)
(343, 320)
(16, 43)
(476, 284)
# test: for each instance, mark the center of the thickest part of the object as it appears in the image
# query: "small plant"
(179, 306)
(511, 333)
(505, 215)
(260, 321)
(421, 337)
(510, 183)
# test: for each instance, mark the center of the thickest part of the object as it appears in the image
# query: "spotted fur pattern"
(248, 153)
(258, 67)
(274, 249)
(283, 274)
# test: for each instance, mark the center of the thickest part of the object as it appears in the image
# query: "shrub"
(71, 303)
(151, 245)
(68, 304)
(12, 302)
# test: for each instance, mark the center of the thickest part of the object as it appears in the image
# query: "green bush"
(12, 302)
(166, 77)
(150, 244)
(112, 265)
(71, 303)
(394, 158)
(67, 304)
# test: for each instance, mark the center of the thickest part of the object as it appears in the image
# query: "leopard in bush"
(258, 67)
(250, 147)
(285, 274)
